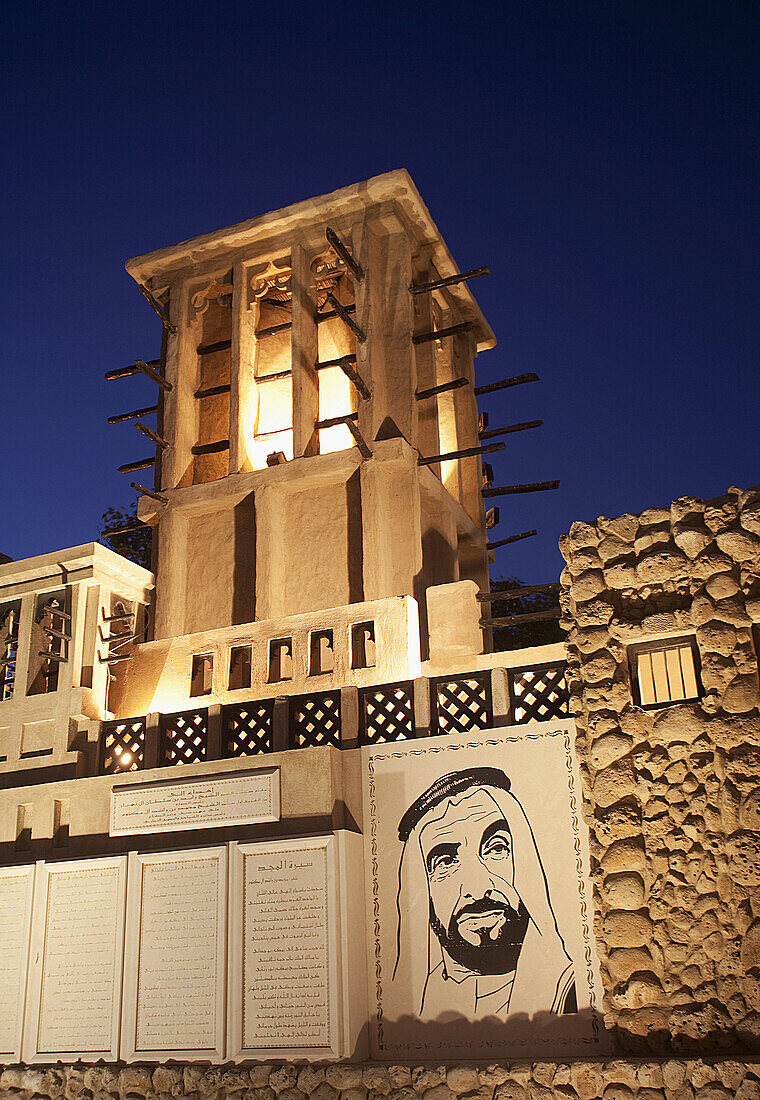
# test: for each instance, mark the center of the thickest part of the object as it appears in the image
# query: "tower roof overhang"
(392, 191)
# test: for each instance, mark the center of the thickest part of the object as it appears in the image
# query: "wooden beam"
(513, 620)
(345, 315)
(133, 415)
(517, 380)
(140, 464)
(209, 349)
(442, 333)
(529, 487)
(126, 372)
(468, 452)
(333, 421)
(148, 492)
(515, 593)
(510, 538)
(360, 441)
(341, 249)
(454, 384)
(424, 288)
(154, 437)
(211, 448)
(158, 309)
(521, 427)
(212, 391)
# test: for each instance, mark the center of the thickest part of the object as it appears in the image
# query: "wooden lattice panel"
(123, 746)
(183, 737)
(315, 720)
(247, 728)
(387, 713)
(538, 694)
(463, 703)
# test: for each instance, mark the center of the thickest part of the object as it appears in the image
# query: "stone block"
(625, 929)
(344, 1076)
(462, 1079)
(624, 891)
(741, 695)
(309, 1078)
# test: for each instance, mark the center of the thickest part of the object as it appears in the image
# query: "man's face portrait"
(475, 911)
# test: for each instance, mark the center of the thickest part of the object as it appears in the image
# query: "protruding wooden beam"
(529, 487)
(212, 391)
(148, 492)
(209, 349)
(272, 330)
(521, 427)
(424, 288)
(361, 443)
(126, 372)
(125, 531)
(139, 464)
(468, 452)
(515, 593)
(346, 318)
(133, 415)
(510, 538)
(211, 448)
(517, 380)
(442, 333)
(333, 421)
(341, 249)
(158, 309)
(530, 617)
(454, 384)
(154, 437)
(346, 364)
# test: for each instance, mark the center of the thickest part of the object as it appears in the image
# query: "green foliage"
(523, 635)
(134, 545)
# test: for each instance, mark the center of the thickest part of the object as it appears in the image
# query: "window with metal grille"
(315, 720)
(184, 737)
(386, 713)
(665, 672)
(247, 728)
(462, 704)
(9, 619)
(123, 745)
(538, 693)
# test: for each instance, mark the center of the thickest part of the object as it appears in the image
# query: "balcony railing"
(457, 704)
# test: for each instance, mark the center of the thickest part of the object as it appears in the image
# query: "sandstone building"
(276, 820)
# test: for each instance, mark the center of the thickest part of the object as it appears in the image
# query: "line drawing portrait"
(470, 867)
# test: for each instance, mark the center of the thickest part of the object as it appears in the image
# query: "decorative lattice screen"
(123, 745)
(538, 694)
(183, 737)
(386, 713)
(315, 720)
(247, 728)
(462, 704)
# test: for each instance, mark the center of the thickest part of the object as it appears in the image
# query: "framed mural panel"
(175, 957)
(16, 889)
(77, 950)
(479, 901)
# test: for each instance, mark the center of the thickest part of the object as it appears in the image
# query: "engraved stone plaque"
(196, 803)
(16, 885)
(283, 928)
(175, 956)
(78, 943)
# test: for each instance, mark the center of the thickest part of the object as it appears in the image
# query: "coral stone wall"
(672, 793)
(618, 1080)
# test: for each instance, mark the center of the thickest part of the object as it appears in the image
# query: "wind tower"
(317, 424)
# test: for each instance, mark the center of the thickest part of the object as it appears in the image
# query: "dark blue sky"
(601, 158)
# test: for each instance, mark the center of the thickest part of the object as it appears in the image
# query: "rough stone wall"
(672, 794)
(617, 1080)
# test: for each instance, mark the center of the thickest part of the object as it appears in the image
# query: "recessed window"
(201, 674)
(280, 659)
(363, 645)
(9, 620)
(321, 657)
(51, 635)
(665, 672)
(240, 667)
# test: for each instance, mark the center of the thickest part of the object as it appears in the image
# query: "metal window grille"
(315, 720)
(247, 728)
(538, 694)
(386, 713)
(184, 737)
(123, 746)
(462, 704)
(9, 620)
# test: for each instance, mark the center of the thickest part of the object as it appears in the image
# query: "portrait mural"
(479, 906)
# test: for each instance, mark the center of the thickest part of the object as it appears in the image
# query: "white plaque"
(16, 884)
(175, 955)
(197, 803)
(283, 949)
(77, 951)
